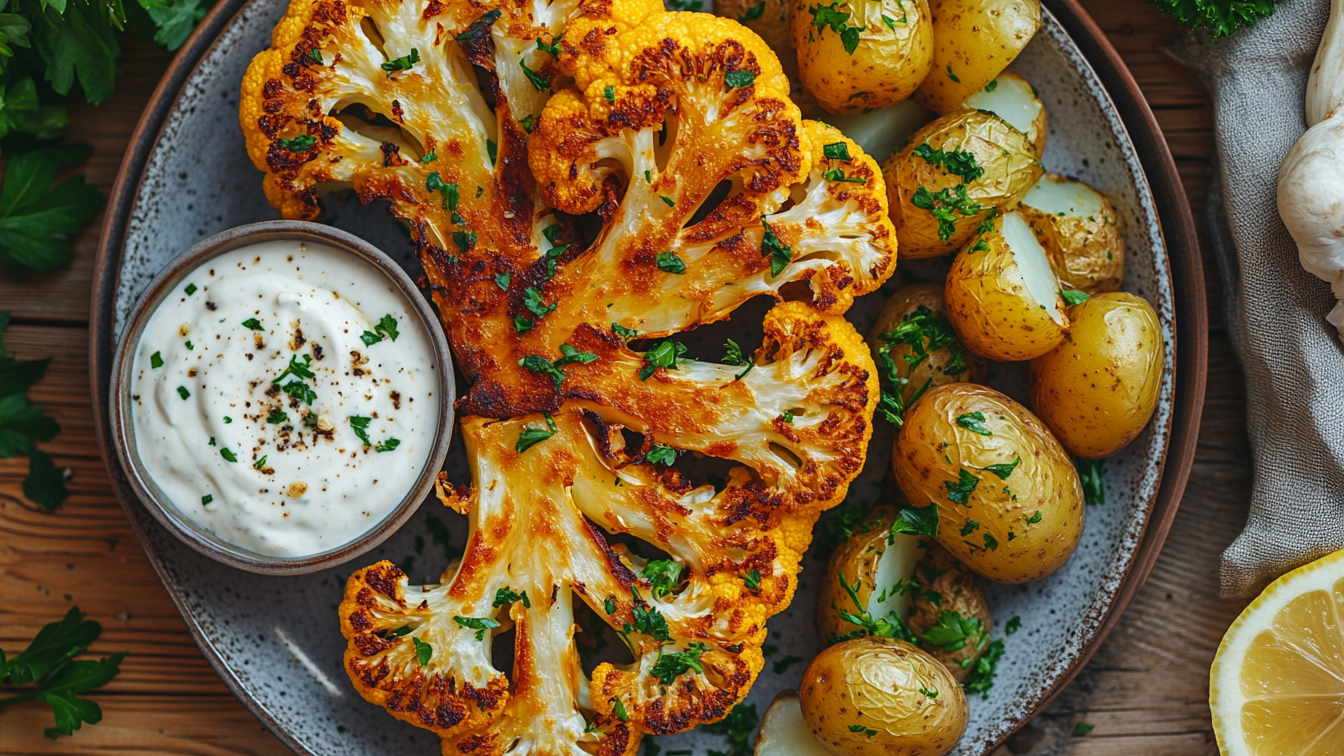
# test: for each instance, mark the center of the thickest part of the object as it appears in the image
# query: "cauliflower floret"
(489, 126)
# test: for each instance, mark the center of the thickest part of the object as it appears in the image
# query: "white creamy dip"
(253, 382)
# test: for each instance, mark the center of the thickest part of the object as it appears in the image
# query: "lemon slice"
(1277, 684)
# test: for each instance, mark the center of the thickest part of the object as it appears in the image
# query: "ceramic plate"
(276, 640)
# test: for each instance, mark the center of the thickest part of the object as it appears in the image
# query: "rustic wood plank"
(1145, 691)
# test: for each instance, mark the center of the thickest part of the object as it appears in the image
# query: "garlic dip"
(284, 397)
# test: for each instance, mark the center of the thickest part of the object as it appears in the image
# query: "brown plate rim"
(1178, 228)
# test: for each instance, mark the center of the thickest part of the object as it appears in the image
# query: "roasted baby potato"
(1076, 225)
(879, 696)
(1013, 99)
(915, 347)
(1010, 504)
(948, 612)
(1098, 388)
(1001, 295)
(881, 132)
(973, 41)
(784, 732)
(952, 175)
(858, 55)
(868, 573)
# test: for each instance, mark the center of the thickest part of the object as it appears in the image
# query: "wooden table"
(1146, 690)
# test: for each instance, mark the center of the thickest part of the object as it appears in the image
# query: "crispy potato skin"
(857, 560)
(1098, 388)
(946, 585)
(1087, 253)
(974, 41)
(886, 66)
(1003, 544)
(1010, 168)
(882, 678)
(990, 307)
(904, 302)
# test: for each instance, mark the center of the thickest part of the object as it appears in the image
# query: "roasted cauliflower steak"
(503, 134)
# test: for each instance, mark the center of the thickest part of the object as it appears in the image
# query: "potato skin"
(990, 307)
(1010, 169)
(1040, 128)
(884, 69)
(1001, 541)
(903, 303)
(1086, 253)
(882, 678)
(973, 41)
(1098, 388)
(857, 560)
(946, 585)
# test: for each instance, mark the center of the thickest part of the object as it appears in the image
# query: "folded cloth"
(1275, 311)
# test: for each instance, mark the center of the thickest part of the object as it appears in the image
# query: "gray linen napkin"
(1275, 311)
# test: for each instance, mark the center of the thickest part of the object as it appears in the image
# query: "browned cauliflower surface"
(578, 177)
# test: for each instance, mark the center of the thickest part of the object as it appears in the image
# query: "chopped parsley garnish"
(648, 620)
(190, 346)
(464, 240)
(296, 369)
(423, 651)
(227, 455)
(889, 626)
(861, 728)
(753, 13)
(838, 176)
(753, 579)
(553, 48)
(182, 392)
(671, 666)
(1083, 728)
(959, 491)
(315, 54)
(539, 82)
(535, 304)
(207, 499)
(227, 419)
(530, 437)
(944, 206)
(992, 85)
(431, 157)
(492, 151)
(737, 728)
(1090, 471)
(569, 356)
(664, 354)
(502, 280)
(787, 416)
(389, 445)
(667, 200)
(1072, 296)
(661, 454)
(970, 527)
(253, 324)
(528, 123)
(385, 329)
(974, 422)
(836, 151)
(925, 332)
(404, 63)
(300, 143)
(1014, 624)
(739, 78)
(951, 75)
(618, 709)
(155, 360)
(956, 162)
(360, 425)
(917, 521)
(610, 606)
(824, 16)
(890, 22)
(663, 575)
(480, 624)
(779, 253)
(669, 262)
(1005, 469)
(506, 595)
(191, 289)
(1035, 518)
(276, 417)
(609, 93)
(954, 632)
(733, 356)
(261, 463)
(929, 694)
(623, 332)
(982, 674)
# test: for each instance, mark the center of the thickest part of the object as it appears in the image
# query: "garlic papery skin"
(1311, 202)
(1325, 86)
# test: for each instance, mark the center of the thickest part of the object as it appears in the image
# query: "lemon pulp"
(1292, 679)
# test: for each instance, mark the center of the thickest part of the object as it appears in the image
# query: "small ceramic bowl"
(159, 505)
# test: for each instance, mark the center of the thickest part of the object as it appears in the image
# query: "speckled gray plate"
(276, 641)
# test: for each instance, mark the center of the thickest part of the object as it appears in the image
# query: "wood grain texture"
(1145, 691)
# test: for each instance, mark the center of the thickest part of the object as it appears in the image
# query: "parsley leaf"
(404, 63)
(974, 422)
(959, 491)
(959, 163)
(48, 665)
(779, 253)
(663, 575)
(664, 354)
(670, 666)
(661, 454)
(739, 79)
(737, 728)
(480, 624)
(1005, 469)
(36, 218)
(423, 651)
(982, 676)
(1090, 471)
(1072, 296)
(669, 262)
(530, 437)
(385, 329)
(944, 207)
(507, 595)
(23, 424)
(917, 521)
(824, 16)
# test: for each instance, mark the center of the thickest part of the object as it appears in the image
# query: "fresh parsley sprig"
(23, 424)
(46, 671)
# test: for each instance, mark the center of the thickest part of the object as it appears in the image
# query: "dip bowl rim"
(120, 404)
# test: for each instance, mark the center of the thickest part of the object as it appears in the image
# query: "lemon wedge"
(1277, 684)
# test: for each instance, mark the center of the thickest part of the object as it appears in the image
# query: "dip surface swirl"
(284, 397)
